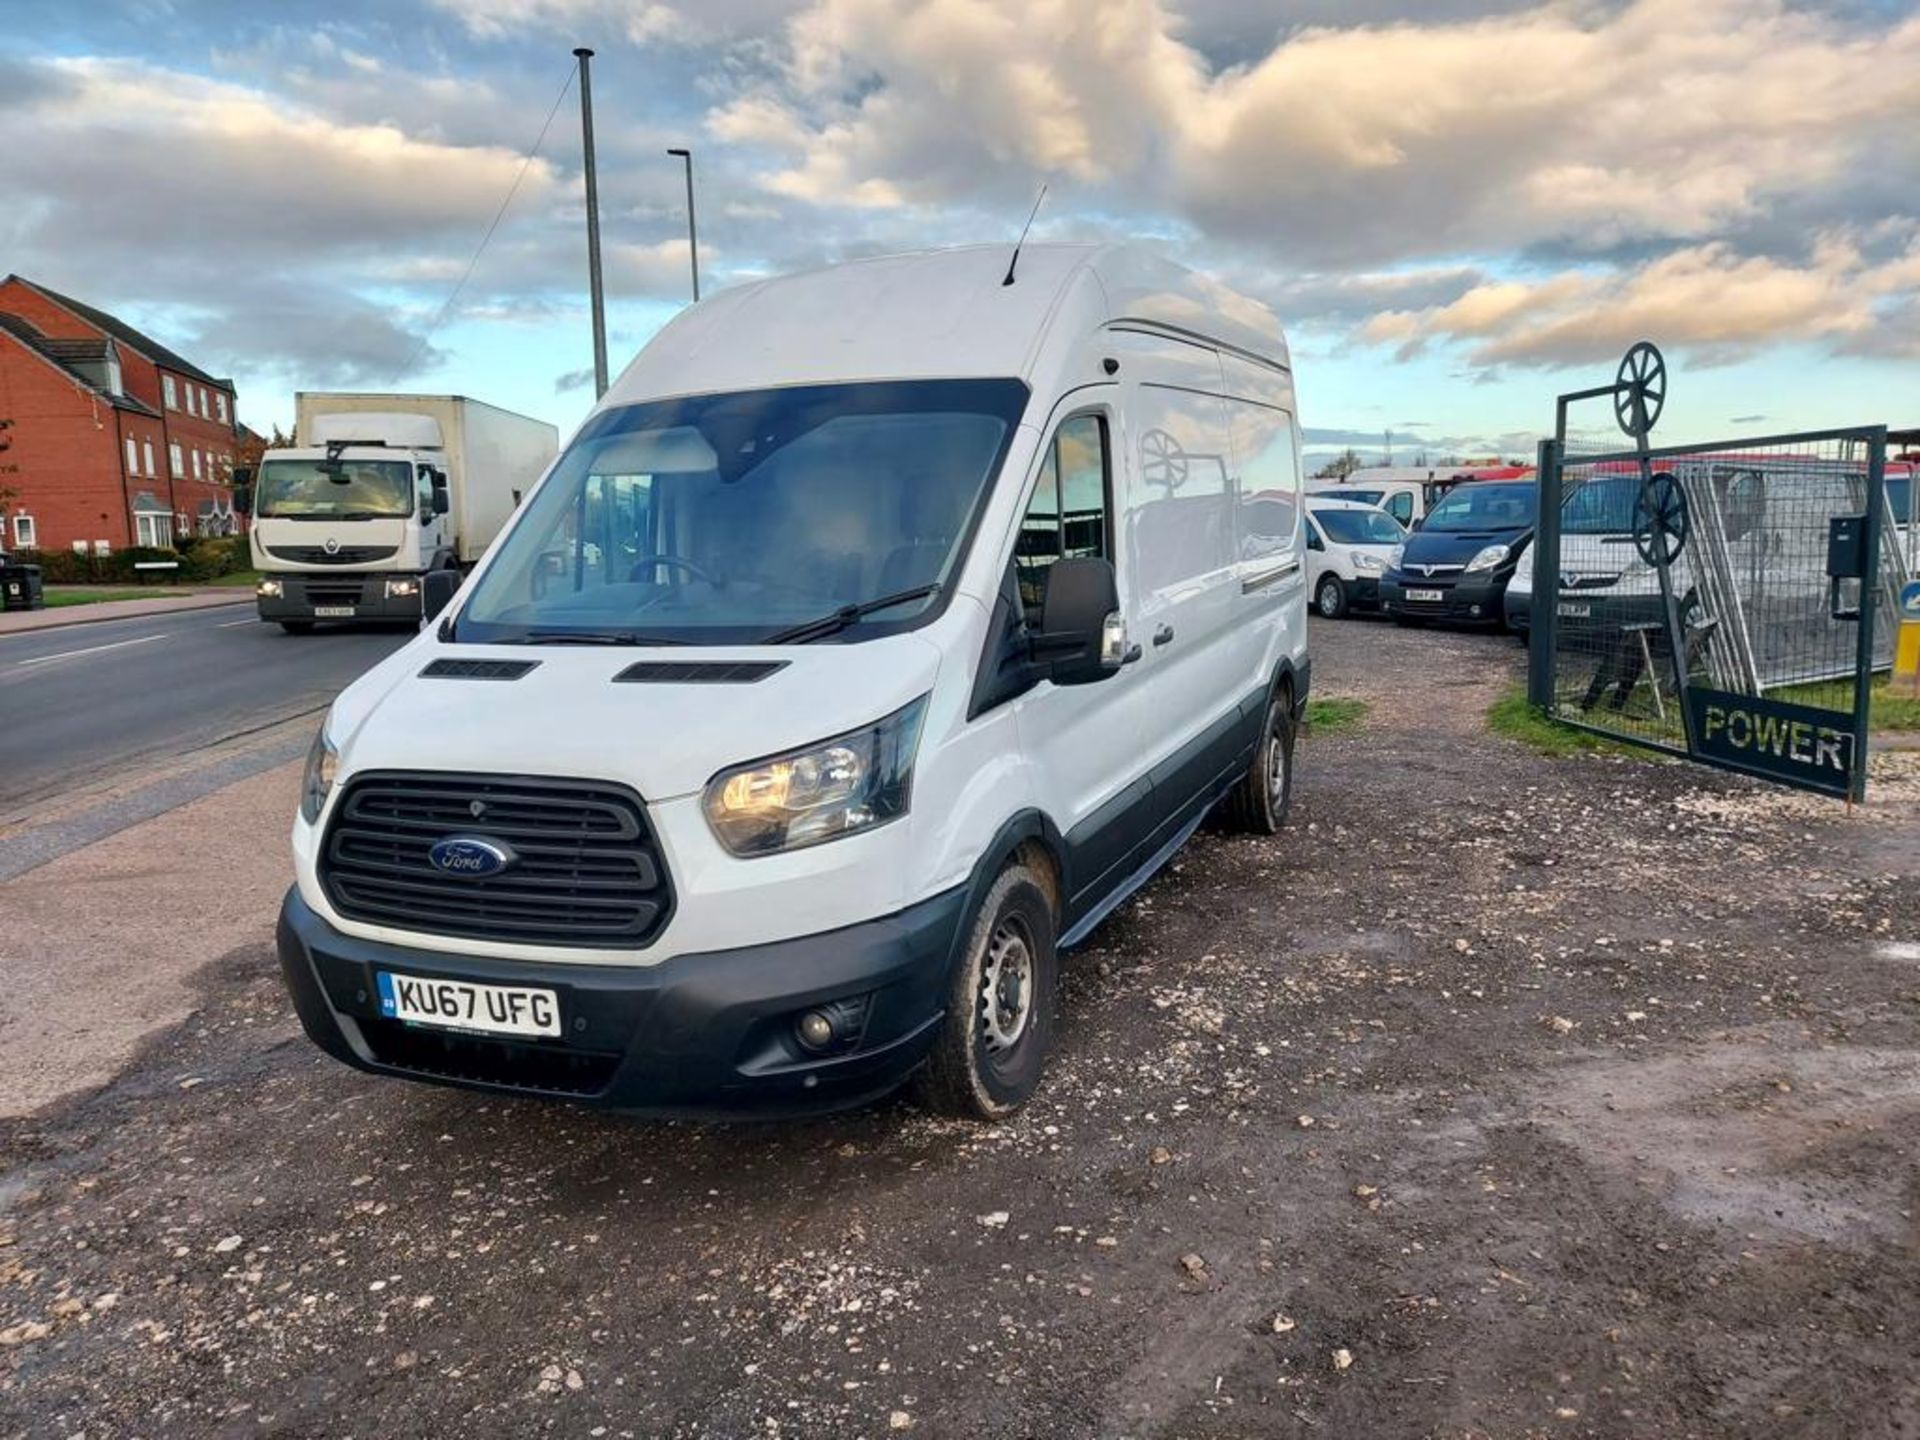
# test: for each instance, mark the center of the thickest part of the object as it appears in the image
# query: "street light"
(693, 239)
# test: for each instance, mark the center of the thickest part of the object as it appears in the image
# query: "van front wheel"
(999, 1028)
(1259, 803)
(1331, 598)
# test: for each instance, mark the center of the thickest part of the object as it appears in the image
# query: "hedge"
(197, 560)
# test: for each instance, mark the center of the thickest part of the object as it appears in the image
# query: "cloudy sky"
(1459, 207)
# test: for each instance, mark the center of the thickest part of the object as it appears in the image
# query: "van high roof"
(939, 314)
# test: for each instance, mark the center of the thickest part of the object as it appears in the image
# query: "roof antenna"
(1037, 201)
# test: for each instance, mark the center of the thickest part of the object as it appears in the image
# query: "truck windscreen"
(311, 489)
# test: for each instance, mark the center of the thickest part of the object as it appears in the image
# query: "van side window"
(1067, 516)
(1401, 508)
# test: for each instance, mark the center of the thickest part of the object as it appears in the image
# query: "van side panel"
(1268, 527)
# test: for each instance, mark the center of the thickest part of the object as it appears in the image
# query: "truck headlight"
(1395, 556)
(1362, 560)
(842, 786)
(1489, 558)
(402, 589)
(323, 760)
(268, 589)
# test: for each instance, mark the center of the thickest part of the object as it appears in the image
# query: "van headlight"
(1489, 558)
(323, 761)
(842, 786)
(1364, 560)
(1395, 556)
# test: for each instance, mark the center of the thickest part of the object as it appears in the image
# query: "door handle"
(1163, 636)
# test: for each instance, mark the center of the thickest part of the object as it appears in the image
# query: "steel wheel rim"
(1276, 767)
(1329, 598)
(1006, 987)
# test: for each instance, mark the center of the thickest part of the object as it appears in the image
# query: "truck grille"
(345, 555)
(586, 870)
(338, 592)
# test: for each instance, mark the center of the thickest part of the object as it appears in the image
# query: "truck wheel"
(1259, 803)
(993, 1044)
(1331, 598)
(297, 627)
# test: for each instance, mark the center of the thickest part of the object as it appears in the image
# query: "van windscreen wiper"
(587, 637)
(840, 619)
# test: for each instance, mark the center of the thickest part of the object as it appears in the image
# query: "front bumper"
(1363, 592)
(699, 1035)
(1473, 598)
(302, 597)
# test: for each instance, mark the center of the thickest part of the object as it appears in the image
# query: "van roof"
(938, 314)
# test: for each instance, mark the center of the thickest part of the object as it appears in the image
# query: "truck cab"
(345, 525)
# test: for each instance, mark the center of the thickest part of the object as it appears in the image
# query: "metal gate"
(1726, 602)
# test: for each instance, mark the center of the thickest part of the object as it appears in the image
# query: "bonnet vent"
(478, 669)
(698, 672)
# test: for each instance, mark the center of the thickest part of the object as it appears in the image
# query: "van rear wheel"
(1260, 802)
(994, 1043)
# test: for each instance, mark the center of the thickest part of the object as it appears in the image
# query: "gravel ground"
(1502, 1096)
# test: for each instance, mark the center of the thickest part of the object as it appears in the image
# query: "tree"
(1341, 466)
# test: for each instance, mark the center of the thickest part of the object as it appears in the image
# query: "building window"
(133, 457)
(167, 390)
(196, 463)
(155, 531)
(176, 461)
(146, 447)
(25, 537)
(220, 404)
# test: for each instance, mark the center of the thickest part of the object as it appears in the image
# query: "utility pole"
(693, 235)
(593, 227)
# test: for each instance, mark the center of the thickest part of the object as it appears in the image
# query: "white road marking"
(232, 623)
(1900, 950)
(91, 650)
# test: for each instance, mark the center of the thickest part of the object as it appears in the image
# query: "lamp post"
(693, 235)
(593, 228)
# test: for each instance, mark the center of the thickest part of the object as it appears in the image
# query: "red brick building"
(107, 437)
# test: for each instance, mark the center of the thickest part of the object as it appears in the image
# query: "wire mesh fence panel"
(1751, 561)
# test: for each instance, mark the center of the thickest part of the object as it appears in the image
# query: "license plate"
(459, 1005)
(1575, 609)
(333, 612)
(1435, 595)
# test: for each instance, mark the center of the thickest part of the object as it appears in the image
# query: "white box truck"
(379, 490)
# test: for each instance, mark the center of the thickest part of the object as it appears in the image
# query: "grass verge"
(238, 577)
(55, 599)
(1514, 719)
(1335, 716)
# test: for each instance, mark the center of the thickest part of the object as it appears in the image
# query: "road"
(81, 703)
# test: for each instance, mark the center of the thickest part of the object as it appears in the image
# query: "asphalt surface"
(86, 702)
(1501, 1095)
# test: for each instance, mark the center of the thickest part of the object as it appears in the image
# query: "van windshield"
(1601, 506)
(1359, 527)
(728, 519)
(1483, 507)
(357, 490)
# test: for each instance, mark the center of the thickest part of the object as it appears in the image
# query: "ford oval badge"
(471, 855)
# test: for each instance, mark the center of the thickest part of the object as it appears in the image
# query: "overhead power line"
(526, 162)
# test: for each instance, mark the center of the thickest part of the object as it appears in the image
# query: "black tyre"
(1330, 598)
(1259, 803)
(999, 1030)
(297, 627)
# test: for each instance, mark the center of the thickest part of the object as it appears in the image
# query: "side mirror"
(437, 589)
(242, 499)
(1083, 637)
(439, 498)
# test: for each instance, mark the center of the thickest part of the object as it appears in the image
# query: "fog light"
(815, 1029)
(1473, 610)
(402, 589)
(269, 588)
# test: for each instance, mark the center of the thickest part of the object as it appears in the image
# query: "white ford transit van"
(880, 631)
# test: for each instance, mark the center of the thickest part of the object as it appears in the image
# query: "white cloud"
(1714, 303)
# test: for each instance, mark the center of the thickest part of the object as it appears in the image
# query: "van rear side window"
(1067, 517)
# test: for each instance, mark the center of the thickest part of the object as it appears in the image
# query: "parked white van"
(1349, 547)
(880, 631)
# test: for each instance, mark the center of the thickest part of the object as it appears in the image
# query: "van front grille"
(543, 1069)
(584, 868)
